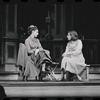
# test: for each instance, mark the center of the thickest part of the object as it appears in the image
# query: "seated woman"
(73, 61)
(36, 53)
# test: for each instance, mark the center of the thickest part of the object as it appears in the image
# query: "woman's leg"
(71, 75)
(43, 67)
(62, 74)
(63, 65)
(42, 71)
(25, 78)
(67, 75)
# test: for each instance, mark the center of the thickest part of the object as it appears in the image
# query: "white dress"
(73, 60)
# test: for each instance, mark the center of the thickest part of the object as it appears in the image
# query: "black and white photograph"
(50, 49)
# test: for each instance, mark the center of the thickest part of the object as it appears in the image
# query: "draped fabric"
(40, 57)
(23, 60)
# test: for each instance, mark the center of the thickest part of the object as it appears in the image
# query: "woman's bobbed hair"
(32, 28)
(74, 35)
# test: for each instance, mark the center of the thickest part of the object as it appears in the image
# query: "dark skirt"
(40, 58)
(34, 63)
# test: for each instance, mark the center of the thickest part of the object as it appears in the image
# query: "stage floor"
(29, 83)
(51, 88)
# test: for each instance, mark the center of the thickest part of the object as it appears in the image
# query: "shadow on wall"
(2, 93)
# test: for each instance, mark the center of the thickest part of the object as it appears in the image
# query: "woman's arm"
(66, 51)
(78, 49)
(40, 46)
(29, 50)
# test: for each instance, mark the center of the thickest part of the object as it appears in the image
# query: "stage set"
(53, 21)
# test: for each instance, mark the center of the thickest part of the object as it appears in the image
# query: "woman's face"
(68, 36)
(34, 33)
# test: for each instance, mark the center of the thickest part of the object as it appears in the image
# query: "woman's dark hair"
(74, 35)
(32, 28)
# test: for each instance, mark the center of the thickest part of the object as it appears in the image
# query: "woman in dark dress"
(36, 53)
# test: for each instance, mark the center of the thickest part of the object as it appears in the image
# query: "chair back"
(22, 55)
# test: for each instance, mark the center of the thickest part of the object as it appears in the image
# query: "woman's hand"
(66, 54)
(36, 51)
(63, 55)
(69, 54)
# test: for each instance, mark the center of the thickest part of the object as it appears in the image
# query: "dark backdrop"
(87, 19)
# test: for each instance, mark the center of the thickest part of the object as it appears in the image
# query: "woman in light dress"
(73, 60)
